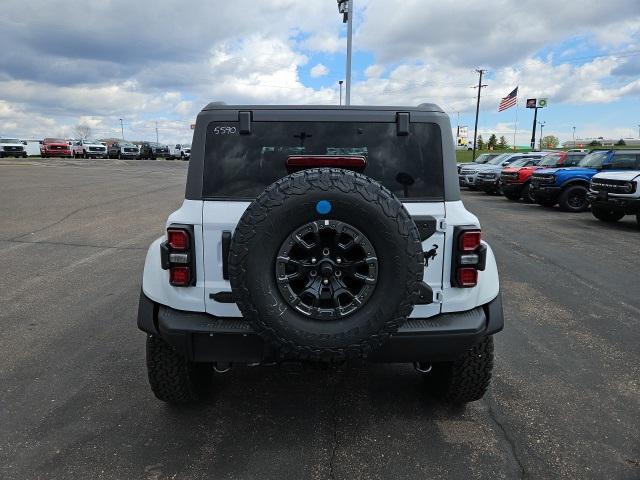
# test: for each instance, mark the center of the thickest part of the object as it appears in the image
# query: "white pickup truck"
(89, 149)
(12, 147)
(182, 151)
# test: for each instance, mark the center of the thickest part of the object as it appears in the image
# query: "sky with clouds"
(64, 62)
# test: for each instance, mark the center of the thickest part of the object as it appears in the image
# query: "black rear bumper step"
(205, 338)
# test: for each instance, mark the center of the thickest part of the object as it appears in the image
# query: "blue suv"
(568, 187)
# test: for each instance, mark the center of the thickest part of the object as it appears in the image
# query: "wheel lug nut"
(338, 260)
(314, 259)
(325, 252)
(325, 281)
(338, 273)
(313, 273)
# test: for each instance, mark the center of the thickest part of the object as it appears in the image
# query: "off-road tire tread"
(467, 378)
(298, 184)
(564, 197)
(606, 215)
(172, 377)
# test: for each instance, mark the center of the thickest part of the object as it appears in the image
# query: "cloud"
(373, 71)
(319, 70)
(156, 60)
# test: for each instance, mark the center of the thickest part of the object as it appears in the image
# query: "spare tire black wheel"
(326, 264)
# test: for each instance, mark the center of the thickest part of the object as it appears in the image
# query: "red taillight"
(176, 256)
(470, 240)
(467, 276)
(469, 257)
(179, 276)
(177, 239)
(300, 162)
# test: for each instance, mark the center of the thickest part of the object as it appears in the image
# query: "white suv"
(615, 194)
(318, 233)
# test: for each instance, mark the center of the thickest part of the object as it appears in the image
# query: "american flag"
(509, 101)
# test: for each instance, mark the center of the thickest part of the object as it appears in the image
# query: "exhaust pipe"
(422, 367)
(221, 368)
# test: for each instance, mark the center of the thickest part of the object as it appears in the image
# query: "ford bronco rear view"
(320, 234)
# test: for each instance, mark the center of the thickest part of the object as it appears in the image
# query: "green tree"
(480, 142)
(503, 144)
(621, 143)
(550, 141)
(493, 141)
(595, 143)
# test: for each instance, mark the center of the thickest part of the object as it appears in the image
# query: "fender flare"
(575, 181)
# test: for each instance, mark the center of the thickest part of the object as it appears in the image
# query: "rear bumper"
(626, 205)
(202, 337)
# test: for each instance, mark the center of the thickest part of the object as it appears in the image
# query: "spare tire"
(326, 264)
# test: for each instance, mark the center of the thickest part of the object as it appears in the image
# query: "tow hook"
(422, 367)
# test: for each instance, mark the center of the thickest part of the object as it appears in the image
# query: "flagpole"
(515, 127)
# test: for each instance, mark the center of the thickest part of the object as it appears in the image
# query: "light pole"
(475, 129)
(157, 140)
(122, 129)
(574, 137)
(340, 82)
(345, 7)
(542, 124)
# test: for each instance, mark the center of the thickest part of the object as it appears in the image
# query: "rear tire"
(467, 378)
(574, 199)
(606, 215)
(172, 377)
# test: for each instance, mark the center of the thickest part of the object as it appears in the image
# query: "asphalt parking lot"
(75, 403)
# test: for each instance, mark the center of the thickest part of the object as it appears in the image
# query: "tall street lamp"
(574, 137)
(122, 129)
(345, 7)
(340, 82)
(542, 124)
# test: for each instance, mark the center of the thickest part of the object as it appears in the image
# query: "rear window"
(242, 166)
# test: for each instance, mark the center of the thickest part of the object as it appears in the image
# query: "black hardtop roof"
(424, 107)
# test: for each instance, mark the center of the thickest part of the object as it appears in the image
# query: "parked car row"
(58, 147)
(604, 180)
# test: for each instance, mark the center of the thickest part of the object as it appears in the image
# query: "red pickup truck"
(55, 147)
(515, 180)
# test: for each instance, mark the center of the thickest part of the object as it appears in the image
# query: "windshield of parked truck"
(552, 160)
(9, 140)
(593, 160)
(499, 159)
(521, 162)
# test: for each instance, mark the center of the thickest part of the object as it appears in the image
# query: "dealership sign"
(536, 102)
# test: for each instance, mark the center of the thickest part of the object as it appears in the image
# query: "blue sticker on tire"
(323, 207)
